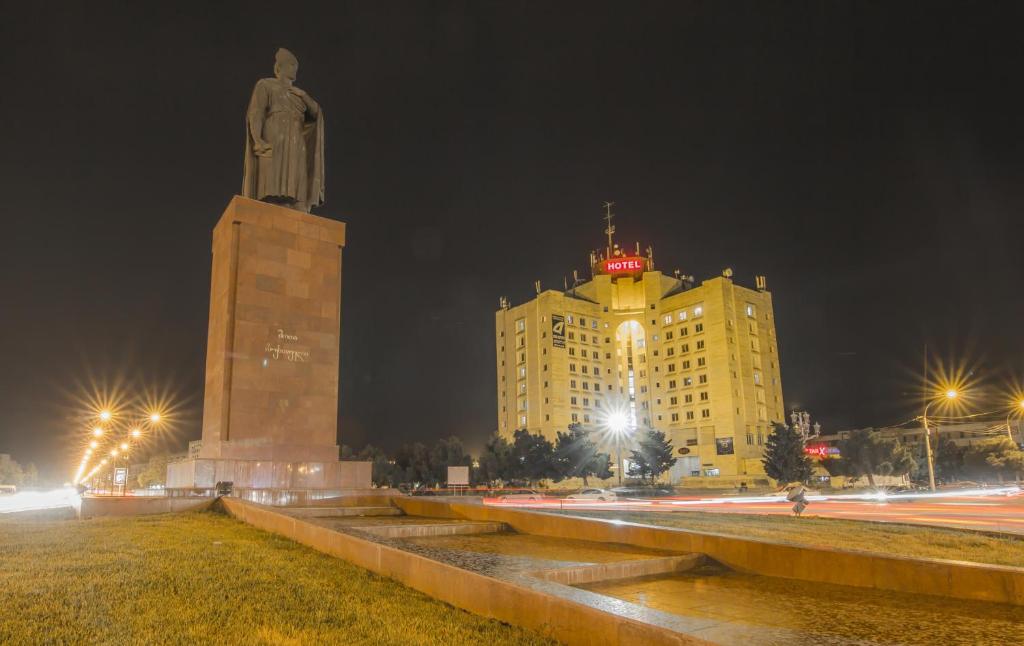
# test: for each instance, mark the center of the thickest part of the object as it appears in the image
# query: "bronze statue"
(284, 143)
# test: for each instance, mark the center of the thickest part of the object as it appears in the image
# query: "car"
(642, 492)
(520, 495)
(603, 495)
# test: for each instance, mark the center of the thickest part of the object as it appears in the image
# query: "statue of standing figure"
(284, 143)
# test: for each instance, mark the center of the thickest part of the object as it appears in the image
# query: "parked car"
(594, 494)
(642, 492)
(521, 494)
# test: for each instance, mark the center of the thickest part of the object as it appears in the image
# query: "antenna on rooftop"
(608, 215)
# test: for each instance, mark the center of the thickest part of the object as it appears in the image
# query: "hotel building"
(700, 363)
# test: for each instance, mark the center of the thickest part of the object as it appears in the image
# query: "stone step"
(581, 574)
(435, 529)
(340, 512)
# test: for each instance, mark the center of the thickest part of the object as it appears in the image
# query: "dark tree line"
(528, 459)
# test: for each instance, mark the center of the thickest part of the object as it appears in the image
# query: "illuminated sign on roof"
(625, 265)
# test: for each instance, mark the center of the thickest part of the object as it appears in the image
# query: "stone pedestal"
(272, 356)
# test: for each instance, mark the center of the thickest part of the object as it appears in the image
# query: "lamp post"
(946, 396)
(1019, 408)
(618, 423)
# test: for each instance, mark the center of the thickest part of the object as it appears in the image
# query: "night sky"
(865, 157)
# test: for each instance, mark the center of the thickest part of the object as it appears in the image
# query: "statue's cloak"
(295, 168)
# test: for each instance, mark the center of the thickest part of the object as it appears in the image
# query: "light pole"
(949, 395)
(618, 422)
(1019, 408)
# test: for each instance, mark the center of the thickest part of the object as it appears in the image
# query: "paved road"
(1000, 512)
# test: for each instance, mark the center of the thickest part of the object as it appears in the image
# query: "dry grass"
(204, 578)
(903, 540)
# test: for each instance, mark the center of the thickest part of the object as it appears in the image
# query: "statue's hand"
(262, 148)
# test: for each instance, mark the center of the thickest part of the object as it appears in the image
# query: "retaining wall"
(93, 506)
(556, 617)
(957, 579)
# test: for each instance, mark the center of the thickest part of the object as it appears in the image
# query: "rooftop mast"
(608, 215)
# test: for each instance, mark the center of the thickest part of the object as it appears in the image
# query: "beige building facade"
(699, 362)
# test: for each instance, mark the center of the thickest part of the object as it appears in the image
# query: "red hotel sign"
(622, 265)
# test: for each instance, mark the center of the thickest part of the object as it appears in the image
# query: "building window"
(522, 388)
(593, 326)
(568, 319)
(683, 331)
(520, 325)
(686, 365)
(522, 421)
(671, 384)
(705, 413)
(702, 379)
(572, 367)
(575, 417)
(684, 348)
(698, 310)
(668, 319)
(704, 396)
(750, 436)
(691, 441)
(670, 351)
(688, 398)
(586, 418)
(583, 322)
(697, 329)
(586, 385)
(687, 381)
(757, 377)
(700, 344)
(689, 416)
(701, 362)
(760, 438)
(682, 315)
(572, 383)
(572, 400)
(672, 367)
(675, 417)
(673, 400)
(750, 313)
(522, 372)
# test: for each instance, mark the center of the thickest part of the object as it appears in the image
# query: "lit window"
(698, 311)
(522, 372)
(687, 381)
(522, 421)
(682, 315)
(668, 319)
(569, 319)
(520, 325)
(750, 313)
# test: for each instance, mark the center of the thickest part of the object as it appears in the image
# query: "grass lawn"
(204, 578)
(902, 540)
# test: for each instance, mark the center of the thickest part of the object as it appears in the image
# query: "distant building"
(961, 433)
(700, 363)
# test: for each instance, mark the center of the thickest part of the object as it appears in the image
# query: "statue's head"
(286, 66)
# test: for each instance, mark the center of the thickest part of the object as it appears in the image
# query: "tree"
(383, 472)
(949, 460)
(652, 457)
(866, 453)
(495, 461)
(784, 458)
(10, 471)
(413, 464)
(576, 456)
(532, 457)
(447, 453)
(155, 472)
(999, 454)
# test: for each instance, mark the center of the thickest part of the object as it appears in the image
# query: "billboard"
(557, 331)
(458, 476)
(625, 265)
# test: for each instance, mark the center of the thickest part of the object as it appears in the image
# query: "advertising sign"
(626, 265)
(120, 475)
(458, 476)
(723, 445)
(822, 451)
(557, 331)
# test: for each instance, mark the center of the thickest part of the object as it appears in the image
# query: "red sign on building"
(622, 265)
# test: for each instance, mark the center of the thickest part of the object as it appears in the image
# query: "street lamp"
(1019, 408)
(949, 395)
(105, 415)
(618, 424)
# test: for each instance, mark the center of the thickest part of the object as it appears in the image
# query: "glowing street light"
(113, 453)
(154, 417)
(97, 432)
(617, 422)
(93, 444)
(949, 395)
(1017, 408)
(136, 432)
(124, 446)
(105, 415)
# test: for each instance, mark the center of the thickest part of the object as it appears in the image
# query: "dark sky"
(866, 157)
